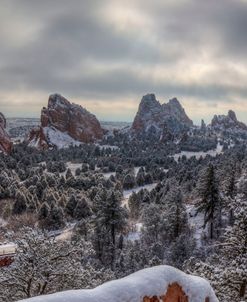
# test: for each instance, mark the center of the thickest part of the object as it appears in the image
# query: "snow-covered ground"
(189, 154)
(109, 174)
(148, 282)
(149, 187)
(66, 233)
(72, 166)
(6, 249)
(107, 147)
(2, 222)
(127, 193)
(195, 222)
(59, 139)
(135, 231)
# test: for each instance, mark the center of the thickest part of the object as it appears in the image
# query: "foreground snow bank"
(133, 288)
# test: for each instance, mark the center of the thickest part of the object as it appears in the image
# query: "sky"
(106, 54)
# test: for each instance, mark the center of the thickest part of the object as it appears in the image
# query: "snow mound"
(133, 288)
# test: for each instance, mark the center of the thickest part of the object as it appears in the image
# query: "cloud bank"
(105, 54)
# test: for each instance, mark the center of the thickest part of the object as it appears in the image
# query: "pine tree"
(82, 209)
(134, 203)
(140, 178)
(43, 211)
(210, 202)
(227, 267)
(230, 189)
(175, 215)
(55, 219)
(129, 181)
(20, 204)
(110, 220)
(71, 205)
(154, 228)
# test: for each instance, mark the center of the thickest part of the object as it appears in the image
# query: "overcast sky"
(106, 54)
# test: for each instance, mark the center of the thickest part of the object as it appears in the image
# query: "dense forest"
(103, 212)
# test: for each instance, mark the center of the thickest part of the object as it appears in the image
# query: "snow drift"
(158, 283)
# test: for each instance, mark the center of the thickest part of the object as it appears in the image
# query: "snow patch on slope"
(189, 154)
(59, 139)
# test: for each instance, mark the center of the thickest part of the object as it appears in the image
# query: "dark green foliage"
(210, 202)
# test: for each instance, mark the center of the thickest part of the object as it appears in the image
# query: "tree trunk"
(242, 289)
(211, 230)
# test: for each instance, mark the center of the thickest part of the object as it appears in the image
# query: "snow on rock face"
(160, 283)
(152, 116)
(227, 122)
(61, 116)
(5, 141)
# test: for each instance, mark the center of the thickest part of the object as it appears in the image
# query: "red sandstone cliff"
(64, 123)
(5, 141)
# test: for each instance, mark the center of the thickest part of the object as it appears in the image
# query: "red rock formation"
(174, 293)
(73, 120)
(38, 139)
(5, 141)
(6, 261)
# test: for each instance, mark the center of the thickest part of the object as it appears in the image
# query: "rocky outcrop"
(174, 293)
(155, 284)
(5, 141)
(64, 123)
(6, 260)
(227, 122)
(160, 119)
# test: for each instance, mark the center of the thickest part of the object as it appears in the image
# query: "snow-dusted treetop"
(149, 282)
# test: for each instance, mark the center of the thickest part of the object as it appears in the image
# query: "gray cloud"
(93, 50)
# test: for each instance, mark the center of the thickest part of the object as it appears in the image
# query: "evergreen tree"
(129, 181)
(55, 219)
(140, 177)
(175, 215)
(20, 204)
(210, 202)
(110, 220)
(227, 267)
(82, 209)
(43, 211)
(71, 205)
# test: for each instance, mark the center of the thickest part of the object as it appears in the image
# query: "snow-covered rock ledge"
(160, 283)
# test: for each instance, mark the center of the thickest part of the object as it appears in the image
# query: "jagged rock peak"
(62, 120)
(175, 108)
(203, 125)
(232, 115)
(149, 98)
(2, 120)
(227, 122)
(149, 101)
(5, 141)
(175, 102)
(151, 115)
(56, 100)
